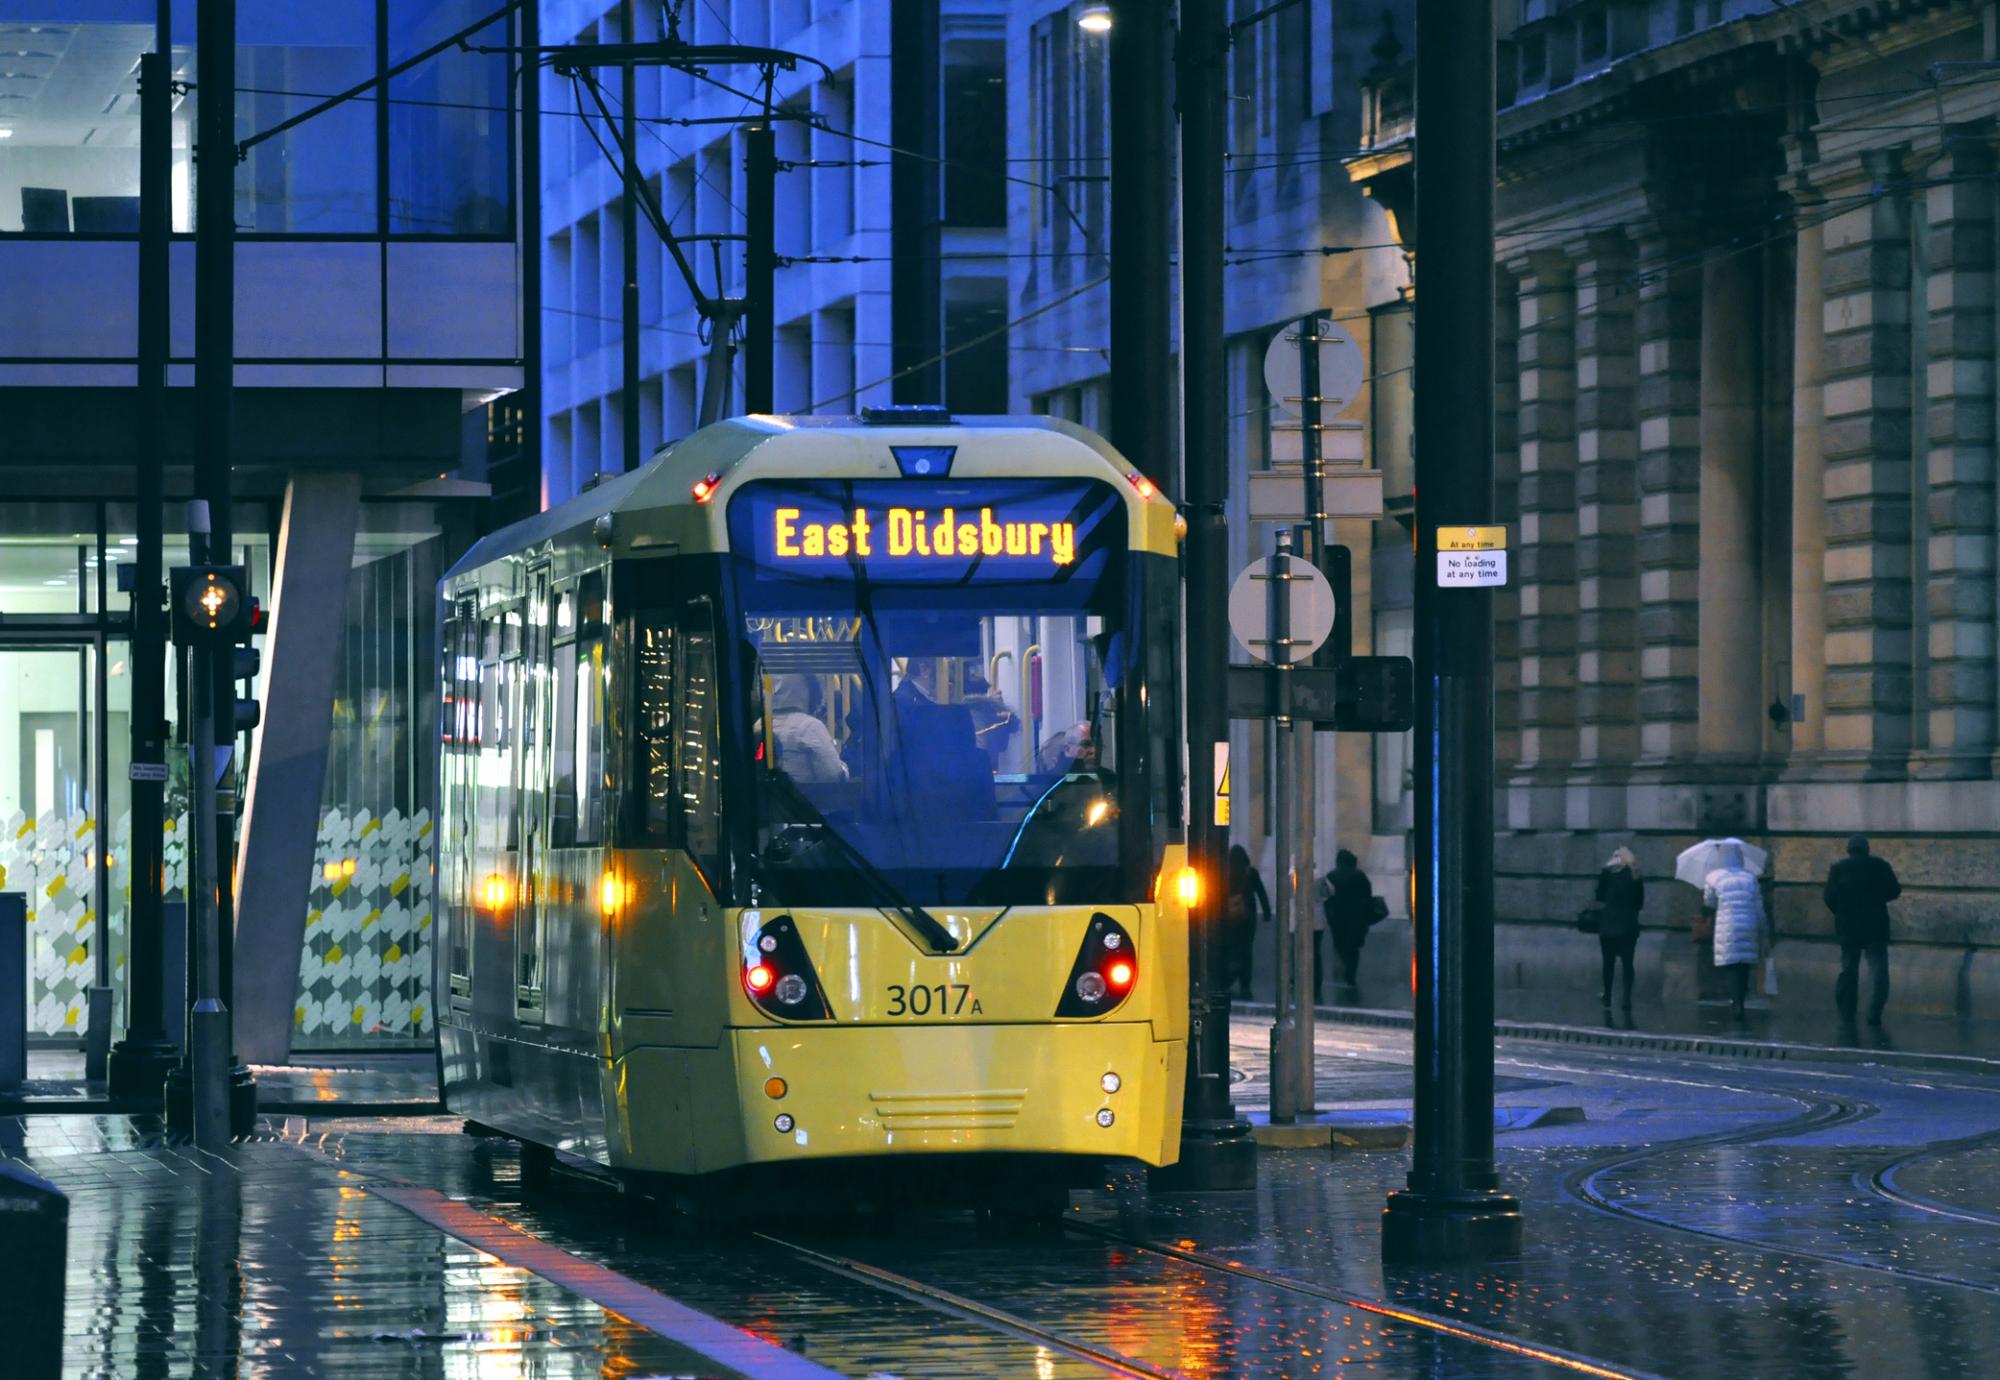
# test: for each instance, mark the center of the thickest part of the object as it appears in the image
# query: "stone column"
(1669, 410)
(1506, 503)
(1808, 495)
(1959, 441)
(1607, 592)
(1544, 563)
(1730, 641)
(1867, 444)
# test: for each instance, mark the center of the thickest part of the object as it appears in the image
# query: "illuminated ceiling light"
(1095, 19)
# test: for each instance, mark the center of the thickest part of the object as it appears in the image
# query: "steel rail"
(1411, 1317)
(971, 1310)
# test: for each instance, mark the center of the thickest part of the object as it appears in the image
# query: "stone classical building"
(1747, 428)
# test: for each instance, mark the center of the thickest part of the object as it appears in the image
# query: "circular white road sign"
(1311, 610)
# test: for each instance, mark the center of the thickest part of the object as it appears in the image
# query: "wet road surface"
(1706, 1217)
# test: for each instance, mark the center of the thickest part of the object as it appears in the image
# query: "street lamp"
(1095, 19)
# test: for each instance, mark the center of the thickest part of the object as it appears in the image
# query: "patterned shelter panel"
(365, 975)
(51, 860)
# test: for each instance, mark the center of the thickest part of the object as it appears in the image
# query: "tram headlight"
(1105, 972)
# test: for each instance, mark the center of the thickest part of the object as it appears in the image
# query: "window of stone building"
(975, 134)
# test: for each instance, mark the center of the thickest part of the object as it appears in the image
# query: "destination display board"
(946, 532)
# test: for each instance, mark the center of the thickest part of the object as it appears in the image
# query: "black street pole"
(628, 234)
(1216, 1148)
(1142, 347)
(1453, 1208)
(140, 1061)
(916, 204)
(214, 388)
(760, 265)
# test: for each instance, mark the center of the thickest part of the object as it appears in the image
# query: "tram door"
(537, 709)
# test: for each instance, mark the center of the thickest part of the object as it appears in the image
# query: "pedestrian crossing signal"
(210, 605)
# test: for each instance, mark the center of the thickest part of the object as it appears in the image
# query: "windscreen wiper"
(941, 940)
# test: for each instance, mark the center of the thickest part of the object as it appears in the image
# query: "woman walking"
(1621, 895)
(1242, 900)
(1732, 898)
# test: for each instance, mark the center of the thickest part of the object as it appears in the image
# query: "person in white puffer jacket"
(1731, 895)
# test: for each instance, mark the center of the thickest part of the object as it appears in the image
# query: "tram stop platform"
(1750, 1215)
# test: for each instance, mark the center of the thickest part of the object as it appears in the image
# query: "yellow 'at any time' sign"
(1472, 539)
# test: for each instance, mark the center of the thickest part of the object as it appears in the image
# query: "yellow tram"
(811, 797)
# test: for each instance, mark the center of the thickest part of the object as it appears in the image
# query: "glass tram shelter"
(377, 319)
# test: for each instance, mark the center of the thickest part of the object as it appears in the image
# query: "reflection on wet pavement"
(1705, 1218)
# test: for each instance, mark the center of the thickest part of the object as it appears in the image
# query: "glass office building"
(377, 319)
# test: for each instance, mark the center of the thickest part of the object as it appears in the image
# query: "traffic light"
(244, 663)
(211, 605)
(1377, 694)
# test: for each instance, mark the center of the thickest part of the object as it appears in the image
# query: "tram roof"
(843, 447)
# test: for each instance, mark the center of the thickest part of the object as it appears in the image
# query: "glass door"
(54, 780)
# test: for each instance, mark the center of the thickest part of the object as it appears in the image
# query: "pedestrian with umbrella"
(1732, 907)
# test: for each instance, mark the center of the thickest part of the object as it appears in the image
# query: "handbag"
(1590, 919)
(1378, 909)
(1703, 928)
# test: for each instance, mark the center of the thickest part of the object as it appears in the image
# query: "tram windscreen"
(934, 673)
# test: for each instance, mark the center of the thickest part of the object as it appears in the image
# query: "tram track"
(1816, 1114)
(1410, 1317)
(1882, 1180)
(966, 1309)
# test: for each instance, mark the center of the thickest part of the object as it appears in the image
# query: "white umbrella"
(1694, 864)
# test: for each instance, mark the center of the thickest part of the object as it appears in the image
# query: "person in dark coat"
(1621, 895)
(1242, 901)
(1349, 906)
(1858, 891)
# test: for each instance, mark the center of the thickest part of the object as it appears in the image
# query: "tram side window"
(562, 778)
(698, 761)
(654, 644)
(589, 739)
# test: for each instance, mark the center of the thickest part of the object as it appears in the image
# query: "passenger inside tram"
(901, 758)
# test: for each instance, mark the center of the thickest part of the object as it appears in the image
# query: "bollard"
(13, 990)
(34, 1251)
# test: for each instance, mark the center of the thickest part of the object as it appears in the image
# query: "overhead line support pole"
(760, 262)
(628, 234)
(1453, 1207)
(1142, 129)
(1216, 1148)
(139, 1062)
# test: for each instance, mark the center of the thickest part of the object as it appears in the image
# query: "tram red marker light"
(1142, 484)
(1120, 975)
(760, 977)
(704, 488)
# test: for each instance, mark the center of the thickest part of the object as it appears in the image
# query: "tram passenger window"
(655, 723)
(589, 741)
(562, 776)
(700, 770)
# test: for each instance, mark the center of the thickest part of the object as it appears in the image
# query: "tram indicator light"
(759, 977)
(1119, 975)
